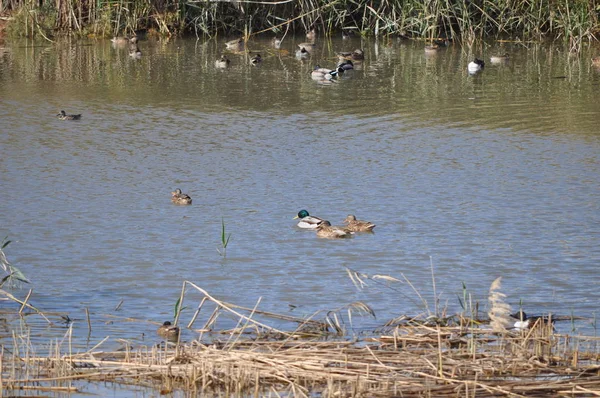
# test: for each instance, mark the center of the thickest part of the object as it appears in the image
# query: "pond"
(468, 178)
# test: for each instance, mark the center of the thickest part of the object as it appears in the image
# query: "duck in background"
(311, 35)
(222, 62)
(356, 55)
(276, 42)
(236, 45)
(499, 59)
(180, 198)
(307, 221)
(168, 331)
(134, 50)
(63, 116)
(256, 59)
(476, 65)
(302, 53)
(325, 74)
(527, 322)
(355, 225)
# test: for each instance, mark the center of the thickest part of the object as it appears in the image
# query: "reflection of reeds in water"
(412, 357)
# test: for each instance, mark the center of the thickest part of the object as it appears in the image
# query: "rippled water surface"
(471, 177)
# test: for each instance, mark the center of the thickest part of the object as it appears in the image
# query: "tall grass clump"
(13, 274)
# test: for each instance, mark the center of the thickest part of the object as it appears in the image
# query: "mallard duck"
(358, 225)
(356, 55)
(311, 35)
(63, 116)
(255, 60)
(325, 74)
(596, 61)
(527, 322)
(235, 45)
(499, 59)
(307, 221)
(180, 198)
(325, 230)
(222, 62)
(475, 65)
(346, 65)
(168, 331)
(302, 53)
(276, 42)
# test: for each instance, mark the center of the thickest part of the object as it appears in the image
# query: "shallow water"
(471, 177)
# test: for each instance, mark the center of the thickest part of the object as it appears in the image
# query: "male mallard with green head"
(168, 331)
(325, 230)
(63, 116)
(358, 225)
(180, 198)
(307, 221)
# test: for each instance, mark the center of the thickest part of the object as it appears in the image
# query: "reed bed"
(408, 356)
(574, 21)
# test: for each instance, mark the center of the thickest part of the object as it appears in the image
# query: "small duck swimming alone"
(276, 42)
(168, 331)
(499, 59)
(527, 322)
(325, 230)
(180, 198)
(355, 225)
(256, 59)
(307, 221)
(222, 62)
(63, 116)
(235, 45)
(475, 66)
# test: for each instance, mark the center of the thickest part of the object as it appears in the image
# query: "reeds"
(411, 358)
(572, 20)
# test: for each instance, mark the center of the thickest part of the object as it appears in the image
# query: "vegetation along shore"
(573, 21)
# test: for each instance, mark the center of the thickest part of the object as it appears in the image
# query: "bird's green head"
(302, 214)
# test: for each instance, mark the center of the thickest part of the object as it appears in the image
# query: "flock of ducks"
(326, 230)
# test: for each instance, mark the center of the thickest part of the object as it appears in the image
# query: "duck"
(356, 55)
(346, 65)
(235, 45)
(310, 47)
(222, 62)
(596, 61)
(475, 65)
(302, 53)
(325, 230)
(527, 322)
(180, 198)
(355, 225)
(325, 74)
(347, 34)
(134, 51)
(63, 116)
(432, 49)
(255, 60)
(120, 40)
(311, 35)
(168, 331)
(276, 42)
(499, 59)
(307, 221)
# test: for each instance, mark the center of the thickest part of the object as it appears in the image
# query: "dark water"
(473, 177)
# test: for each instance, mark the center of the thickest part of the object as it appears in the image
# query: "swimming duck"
(120, 40)
(432, 49)
(325, 74)
(168, 331)
(235, 45)
(180, 198)
(596, 61)
(276, 42)
(63, 116)
(346, 65)
(302, 53)
(311, 35)
(310, 47)
(499, 59)
(222, 62)
(358, 225)
(255, 60)
(526, 322)
(134, 51)
(307, 221)
(325, 230)
(356, 55)
(476, 65)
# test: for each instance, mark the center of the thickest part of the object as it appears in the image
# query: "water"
(468, 177)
